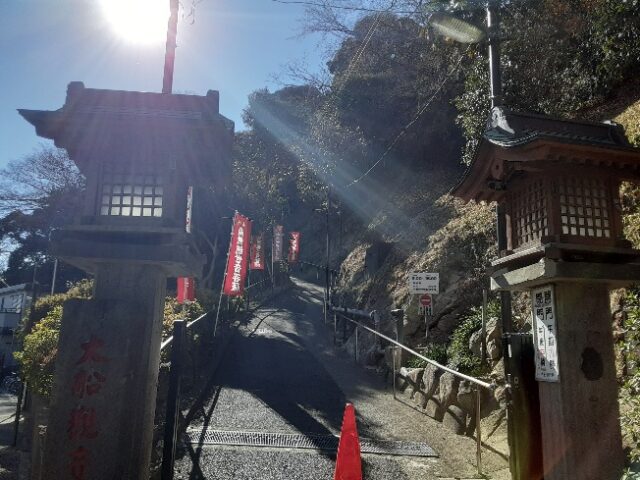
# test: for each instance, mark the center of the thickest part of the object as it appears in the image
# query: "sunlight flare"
(138, 21)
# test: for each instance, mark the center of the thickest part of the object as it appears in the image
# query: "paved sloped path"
(282, 375)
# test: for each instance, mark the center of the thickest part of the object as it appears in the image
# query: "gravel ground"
(284, 375)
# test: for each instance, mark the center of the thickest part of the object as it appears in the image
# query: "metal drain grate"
(311, 441)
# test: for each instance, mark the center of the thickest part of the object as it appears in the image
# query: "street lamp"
(456, 29)
(464, 32)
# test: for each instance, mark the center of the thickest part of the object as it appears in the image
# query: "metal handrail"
(320, 267)
(477, 381)
(256, 284)
(168, 340)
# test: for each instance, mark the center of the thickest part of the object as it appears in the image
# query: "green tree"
(38, 194)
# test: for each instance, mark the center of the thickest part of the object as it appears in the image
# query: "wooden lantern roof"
(94, 121)
(515, 143)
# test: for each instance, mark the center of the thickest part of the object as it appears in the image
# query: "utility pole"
(170, 50)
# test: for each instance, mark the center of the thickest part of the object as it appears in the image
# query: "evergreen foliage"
(460, 356)
(40, 345)
(630, 391)
(435, 351)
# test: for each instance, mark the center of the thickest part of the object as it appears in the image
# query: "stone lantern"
(142, 154)
(556, 183)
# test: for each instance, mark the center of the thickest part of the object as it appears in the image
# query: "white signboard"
(422, 282)
(545, 334)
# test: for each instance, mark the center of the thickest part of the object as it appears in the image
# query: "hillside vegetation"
(393, 127)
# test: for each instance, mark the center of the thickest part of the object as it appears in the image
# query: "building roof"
(15, 288)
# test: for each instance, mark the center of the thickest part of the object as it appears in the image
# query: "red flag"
(257, 253)
(186, 289)
(238, 256)
(278, 234)
(294, 247)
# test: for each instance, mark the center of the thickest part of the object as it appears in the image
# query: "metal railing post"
(393, 373)
(376, 325)
(335, 327)
(355, 350)
(344, 332)
(478, 432)
(16, 425)
(173, 401)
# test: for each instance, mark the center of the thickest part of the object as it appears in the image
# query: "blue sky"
(234, 46)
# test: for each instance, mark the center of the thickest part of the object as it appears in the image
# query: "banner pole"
(246, 290)
(273, 242)
(224, 278)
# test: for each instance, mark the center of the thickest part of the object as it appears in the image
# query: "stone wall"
(445, 397)
(439, 394)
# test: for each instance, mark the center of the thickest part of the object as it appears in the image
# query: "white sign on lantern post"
(545, 334)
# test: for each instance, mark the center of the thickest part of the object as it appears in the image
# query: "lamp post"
(561, 238)
(524, 459)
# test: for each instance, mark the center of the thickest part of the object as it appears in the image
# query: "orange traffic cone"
(348, 465)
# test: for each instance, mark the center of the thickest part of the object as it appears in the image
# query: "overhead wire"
(358, 54)
(363, 47)
(404, 129)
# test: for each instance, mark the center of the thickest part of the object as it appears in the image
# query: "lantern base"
(555, 262)
(173, 250)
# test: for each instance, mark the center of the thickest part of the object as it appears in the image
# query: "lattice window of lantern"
(131, 194)
(584, 207)
(529, 221)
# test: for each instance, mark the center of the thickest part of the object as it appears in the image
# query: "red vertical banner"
(294, 247)
(278, 237)
(257, 253)
(186, 289)
(238, 261)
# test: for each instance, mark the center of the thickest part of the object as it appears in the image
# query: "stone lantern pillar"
(558, 184)
(140, 154)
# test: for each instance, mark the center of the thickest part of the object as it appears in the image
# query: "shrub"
(630, 391)
(38, 355)
(174, 311)
(461, 357)
(434, 351)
